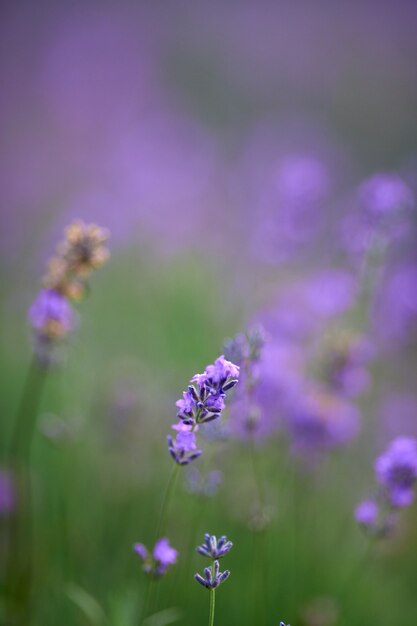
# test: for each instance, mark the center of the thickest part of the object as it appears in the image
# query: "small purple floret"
(51, 312)
(212, 578)
(396, 469)
(214, 548)
(366, 513)
(157, 563)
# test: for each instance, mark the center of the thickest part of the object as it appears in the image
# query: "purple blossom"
(384, 204)
(204, 400)
(203, 485)
(183, 448)
(396, 309)
(319, 420)
(366, 513)
(164, 553)
(212, 577)
(7, 493)
(218, 374)
(385, 195)
(214, 548)
(157, 563)
(346, 359)
(396, 470)
(51, 315)
(257, 408)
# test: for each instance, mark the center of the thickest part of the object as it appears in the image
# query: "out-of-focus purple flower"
(51, 315)
(257, 409)
(384, 204)
(212, 578)
(385, 195)
(141, 549)
(396, 469)
(319, 420)
(346, 357)
(164, 553)
(214, 548)
(366, 513)
(7, 493)
(328, 293)
(306, 305)
(396, 309)
(157, 563)
(202, 485)
(290, 206)
(398, 413)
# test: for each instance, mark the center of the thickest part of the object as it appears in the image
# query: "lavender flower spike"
(213, 548)
(396, 469)
(212, 578)
(204, 399)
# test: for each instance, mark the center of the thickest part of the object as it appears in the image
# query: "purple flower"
(346, 359)
(396, 469)
(203, 485)
(7, 493)
(204, 400)
(214, 548)
(157, 563)
(51, 314)
(385, 195)
(383, 206)
(183, 448)
(366, 513)
(396, 310)
(218, 374)
(164, 553)
(212, 577)
(319, 420)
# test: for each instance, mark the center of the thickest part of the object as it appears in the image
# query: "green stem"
(166, 502)
(212, 602)
(261, 566)
(18, 575)
(160, 528)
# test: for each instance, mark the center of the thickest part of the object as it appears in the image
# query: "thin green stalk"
(160, 529)
(212, 606)
(166, 501)
(356, 574)
(261, 590)
(212, 602)
(19, 566)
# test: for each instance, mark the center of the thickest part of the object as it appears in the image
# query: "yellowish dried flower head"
(83, 248)
(82, 251)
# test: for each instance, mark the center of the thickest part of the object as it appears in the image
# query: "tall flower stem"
(261, 590)
(169, 491)
(212, 606)
(212, 602)
(18, 575)
(160, 529)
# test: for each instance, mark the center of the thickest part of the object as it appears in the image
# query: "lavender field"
(209, 313)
